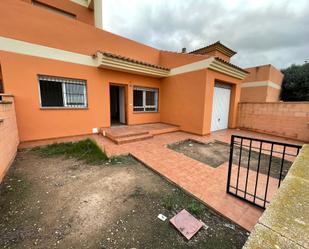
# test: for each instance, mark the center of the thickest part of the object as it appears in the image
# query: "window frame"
(144, 106)
(64, 81)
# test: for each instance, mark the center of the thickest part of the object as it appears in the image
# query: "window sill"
(64, 108)
(144, 112)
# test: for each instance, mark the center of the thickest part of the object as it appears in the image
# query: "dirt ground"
(66, 203)
(216, 153)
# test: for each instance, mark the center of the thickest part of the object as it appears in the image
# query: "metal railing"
(257, 168)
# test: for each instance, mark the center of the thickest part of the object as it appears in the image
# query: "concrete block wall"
(9, 139)
(285, 119)
(284, 224)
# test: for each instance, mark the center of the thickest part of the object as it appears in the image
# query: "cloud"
(262, 32)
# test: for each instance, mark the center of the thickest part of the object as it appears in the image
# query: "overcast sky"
(261, 31)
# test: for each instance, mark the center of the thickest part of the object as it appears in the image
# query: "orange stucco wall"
(254, 94)
(183, 100)
(8, 134)
(263, 73)
(187, 100)
(49, 29)
(172, 59)
(36, 123)
(82, 13)
(286, 119)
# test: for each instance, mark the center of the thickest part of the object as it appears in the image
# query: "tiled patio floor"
(206, 183)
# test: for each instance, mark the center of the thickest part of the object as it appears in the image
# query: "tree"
(295, 85)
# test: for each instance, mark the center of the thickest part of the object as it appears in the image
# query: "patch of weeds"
(196, 207)
(85, 150)
(180, 200)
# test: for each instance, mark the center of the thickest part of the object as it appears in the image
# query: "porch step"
(127, 134)
(164, 130)
(113, 135)
(132, 138)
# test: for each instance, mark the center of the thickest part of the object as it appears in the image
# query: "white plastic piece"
(162, 217)
(95, 130)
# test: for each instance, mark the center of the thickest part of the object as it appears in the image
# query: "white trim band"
(83, 3)
(210, 63)
(267, 83)
(192, 67)
(26, 48)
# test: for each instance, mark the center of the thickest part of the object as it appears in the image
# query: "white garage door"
(220, 107)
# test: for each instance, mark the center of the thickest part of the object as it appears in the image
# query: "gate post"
(230, 164)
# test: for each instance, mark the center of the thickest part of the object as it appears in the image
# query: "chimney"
(183, 50)
(98, 13)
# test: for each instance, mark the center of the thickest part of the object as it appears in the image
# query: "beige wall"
(286, 119)
(8, 134)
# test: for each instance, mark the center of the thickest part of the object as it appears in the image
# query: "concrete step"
(127, 134)
(132, 138)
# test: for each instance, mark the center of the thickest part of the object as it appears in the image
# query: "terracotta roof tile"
(120, 57)
(215, 45)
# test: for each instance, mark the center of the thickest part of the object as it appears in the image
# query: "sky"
(261, 31)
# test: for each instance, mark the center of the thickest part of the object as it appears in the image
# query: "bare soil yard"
(53, 201)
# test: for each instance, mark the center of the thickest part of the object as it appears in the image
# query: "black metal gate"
(257, 168)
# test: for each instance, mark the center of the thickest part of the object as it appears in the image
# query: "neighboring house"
(262, 84)
(69, 77)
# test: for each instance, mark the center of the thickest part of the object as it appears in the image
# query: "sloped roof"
(230, 64)
(215, 46)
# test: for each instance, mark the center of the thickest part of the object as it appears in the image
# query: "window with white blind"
(62, 92)
(145, 99)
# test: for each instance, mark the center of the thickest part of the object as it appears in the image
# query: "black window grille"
(62, 92)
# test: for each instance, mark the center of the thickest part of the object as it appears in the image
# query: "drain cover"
(186, 224)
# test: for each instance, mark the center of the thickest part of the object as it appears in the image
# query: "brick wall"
(8, 133)
(286, 119)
